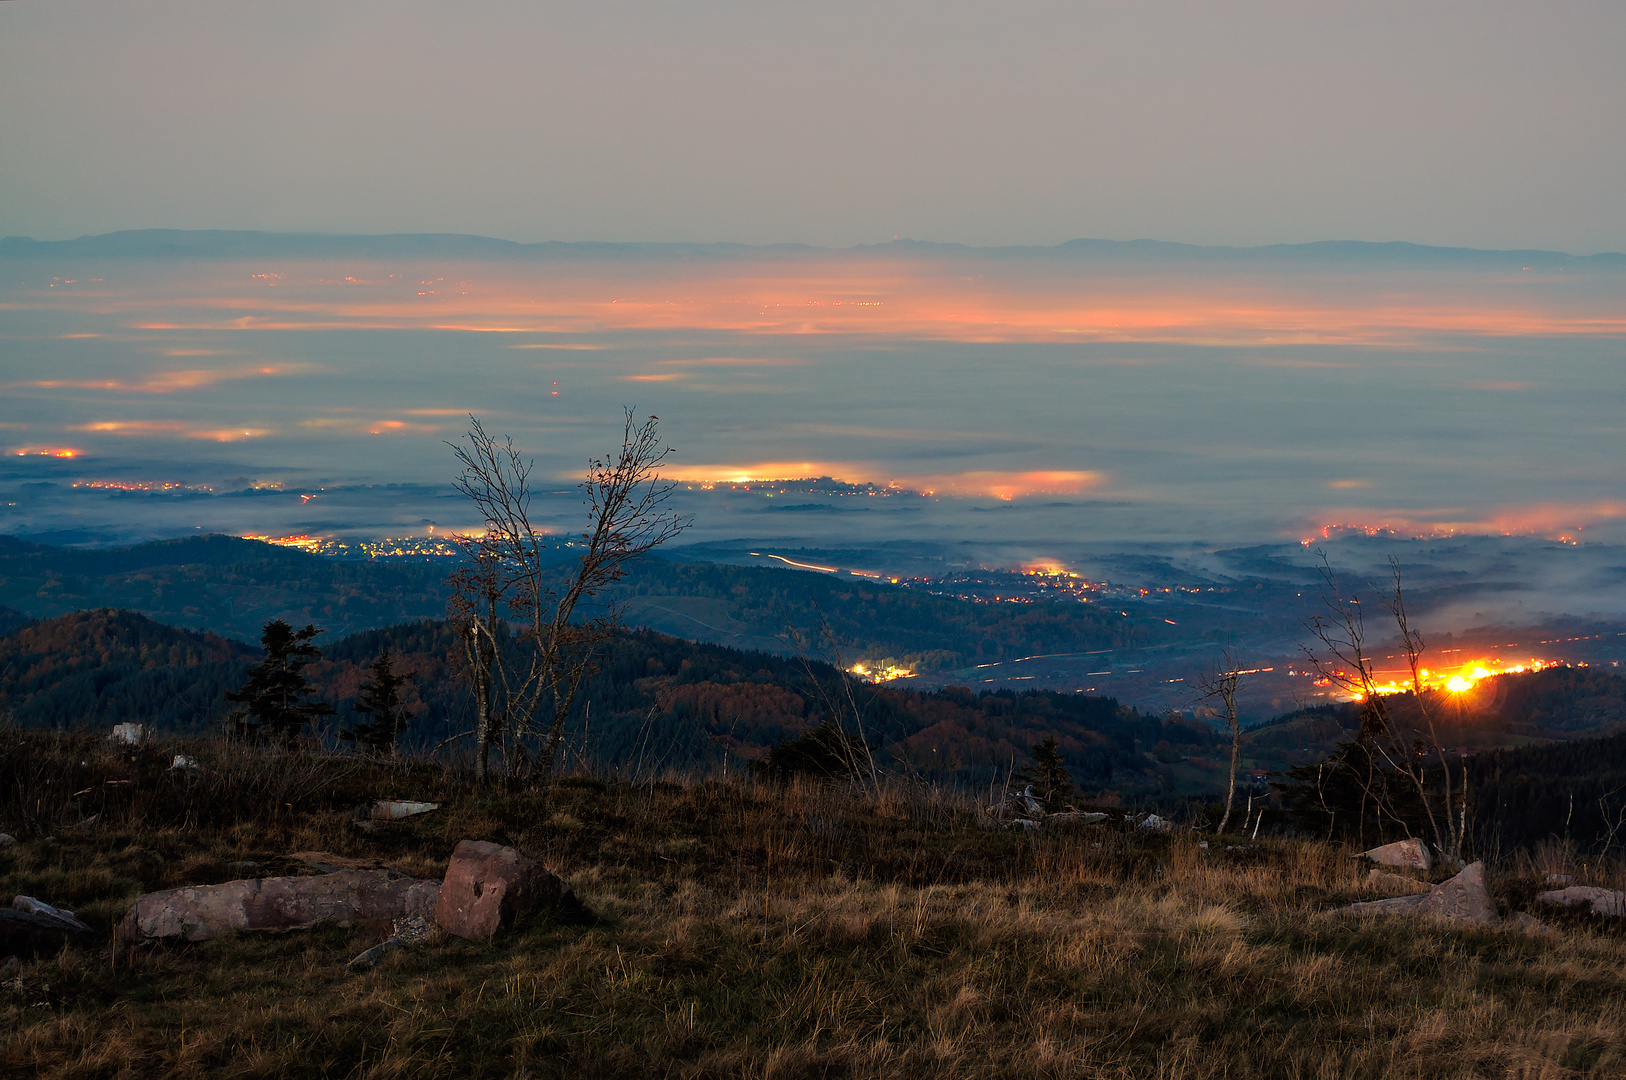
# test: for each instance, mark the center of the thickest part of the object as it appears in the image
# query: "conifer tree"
(275, 701)
(380, 701)
(1052, 783)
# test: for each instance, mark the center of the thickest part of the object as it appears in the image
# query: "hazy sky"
(1477, 124)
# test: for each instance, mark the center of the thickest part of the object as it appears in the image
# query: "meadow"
(736, 928)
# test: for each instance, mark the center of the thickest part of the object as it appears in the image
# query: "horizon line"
(17, 245)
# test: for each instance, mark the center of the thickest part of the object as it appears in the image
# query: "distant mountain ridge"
(208, 243)
(231, 586)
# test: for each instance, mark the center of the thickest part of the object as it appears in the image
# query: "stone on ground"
(1603, 901)
(1463, 899)
(1408, 853)
(347, 897)
(488, 886)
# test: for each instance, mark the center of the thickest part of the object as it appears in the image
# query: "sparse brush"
(754, 929)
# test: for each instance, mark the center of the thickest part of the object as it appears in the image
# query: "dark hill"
(657, 702)
(99, 668)
(219, 584)
(1505, 710)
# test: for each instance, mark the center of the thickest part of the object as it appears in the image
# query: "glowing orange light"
(47, 451)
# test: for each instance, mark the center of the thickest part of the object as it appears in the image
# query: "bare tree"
(527, 654)
(1221, 685)
(1409, 746)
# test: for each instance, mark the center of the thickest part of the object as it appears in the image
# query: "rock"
(1528, 924)
(1463, 899)
(1154, 823)
(1074, 817)
(6, 839)
(412, 929)
(409, 930)
(394, 810)
(128, 734)
(375, 954)
(26, 932)
(1395, 884)
(347, 897)
(1603, 901)
(1408, 853)
(67, 919)
(488, 886)
(1399, 905)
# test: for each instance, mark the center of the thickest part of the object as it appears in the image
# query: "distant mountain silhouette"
(203, 243)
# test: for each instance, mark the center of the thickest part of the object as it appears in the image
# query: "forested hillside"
(1569, 790)
(656, 702)
(219, 584)
(100, 668)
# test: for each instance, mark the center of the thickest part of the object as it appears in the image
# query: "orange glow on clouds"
(929, 297)
(1012, 485)
(176, 428)
(1560, 521)
(161, 382)
(1000, 485)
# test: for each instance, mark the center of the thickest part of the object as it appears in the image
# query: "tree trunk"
(1230, 792)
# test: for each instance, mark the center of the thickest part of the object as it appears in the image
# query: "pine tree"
(380, 700)
(1052, 783)
(275, 699)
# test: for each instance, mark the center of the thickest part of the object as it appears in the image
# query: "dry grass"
(747, 931)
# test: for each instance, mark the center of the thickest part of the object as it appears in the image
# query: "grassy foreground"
(742, 930)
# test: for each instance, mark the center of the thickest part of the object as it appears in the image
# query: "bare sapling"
(1407, 743)
(840, 704)
(527, 654)
(1221, 685)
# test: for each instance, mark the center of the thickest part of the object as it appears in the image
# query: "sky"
(1488, 125)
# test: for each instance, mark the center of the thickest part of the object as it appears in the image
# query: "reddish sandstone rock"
(290, 903)
(488, 886)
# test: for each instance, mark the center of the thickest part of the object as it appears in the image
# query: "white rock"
(1603, 901)
(128, 734)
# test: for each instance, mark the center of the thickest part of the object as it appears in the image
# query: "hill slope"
(99, 668)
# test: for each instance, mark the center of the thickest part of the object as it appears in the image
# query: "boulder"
(30, 927)
(1463, 899)
(396, 809)
(1603, 901)
(1412, 854)
(488, 886)
(64, 918)
(128, 734)
(347, 897)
